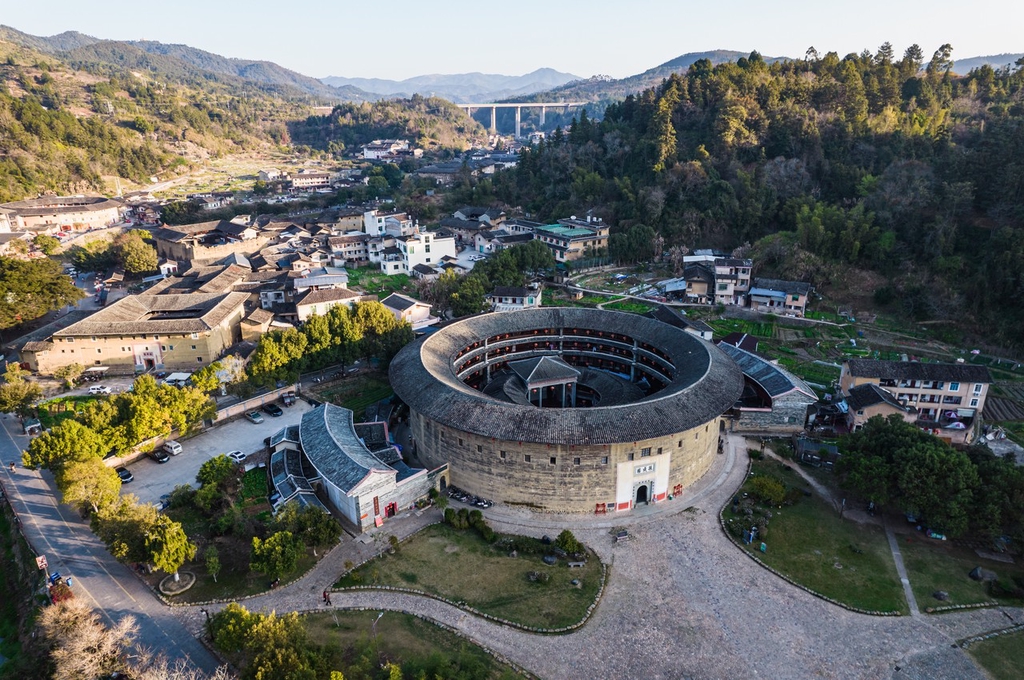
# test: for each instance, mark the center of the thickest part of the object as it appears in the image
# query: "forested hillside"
(431, 123)
(63, 128)
(820, 165)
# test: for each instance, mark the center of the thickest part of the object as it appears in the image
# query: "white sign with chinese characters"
(644, 469)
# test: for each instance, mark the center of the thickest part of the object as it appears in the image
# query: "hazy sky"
(403, 38)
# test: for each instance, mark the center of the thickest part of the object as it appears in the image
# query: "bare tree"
(80, 646)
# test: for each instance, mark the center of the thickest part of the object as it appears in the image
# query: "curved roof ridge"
(706, 382)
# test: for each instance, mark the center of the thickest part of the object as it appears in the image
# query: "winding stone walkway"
(681, 602)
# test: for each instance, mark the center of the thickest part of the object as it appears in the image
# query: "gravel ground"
(681, 602)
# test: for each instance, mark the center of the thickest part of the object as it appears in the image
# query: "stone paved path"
(901, 569)
(681, 602)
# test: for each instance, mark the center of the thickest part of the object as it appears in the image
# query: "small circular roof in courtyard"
(705, 383)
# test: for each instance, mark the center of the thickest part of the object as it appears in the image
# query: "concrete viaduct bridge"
(519, 106)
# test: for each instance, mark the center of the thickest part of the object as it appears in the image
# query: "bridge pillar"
(543, 111)
(519, 113)
(494, 119)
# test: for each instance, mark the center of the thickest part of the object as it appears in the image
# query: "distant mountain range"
(965, 66)
(190, 65)
(603, 88)
(181, 63)
(460, 87)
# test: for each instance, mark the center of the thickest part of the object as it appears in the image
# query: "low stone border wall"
(967, 642)
(495, 655)
(464, 607)
(721, 523)
(226, 600)
(957, 607)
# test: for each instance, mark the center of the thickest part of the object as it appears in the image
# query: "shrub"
(182, 496)
(755, 454)
(768, 490)
(568, 542)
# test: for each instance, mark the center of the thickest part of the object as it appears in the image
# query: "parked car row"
(458, 494)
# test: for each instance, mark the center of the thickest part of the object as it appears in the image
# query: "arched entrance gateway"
(642, 494)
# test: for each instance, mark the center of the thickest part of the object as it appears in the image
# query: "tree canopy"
(867, 160)
(31, 288)
(892, 462)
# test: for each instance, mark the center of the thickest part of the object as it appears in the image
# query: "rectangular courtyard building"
(142, 332)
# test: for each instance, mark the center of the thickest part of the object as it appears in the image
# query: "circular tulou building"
(567, 409)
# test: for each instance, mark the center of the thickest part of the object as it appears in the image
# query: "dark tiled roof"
(741, 340)
(159, 314)
(541, 369)
(510, 291)
(915, 370)
(706, 384)
(698, 272)
(678, 318)
(399, 302)
(862, 396)
(327, 295)
(374, 435)
(775, 381)
(424, 269)
(788, 287)
(332, 446)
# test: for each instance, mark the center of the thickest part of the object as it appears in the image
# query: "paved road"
(70, 548)
(153, 480)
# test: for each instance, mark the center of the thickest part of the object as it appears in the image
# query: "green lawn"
(374, 281)
(1002, 657)
(940, 565)
(460, 566)
(420, 648)
(629, 306)
(358, 392)
(56, 410)
(755, 328)
(846, 561)
(254, 487)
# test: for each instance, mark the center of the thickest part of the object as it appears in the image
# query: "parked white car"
(99, 389)
(172, 447)
(237, 456)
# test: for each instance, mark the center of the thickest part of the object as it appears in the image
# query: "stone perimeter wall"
(477, 466)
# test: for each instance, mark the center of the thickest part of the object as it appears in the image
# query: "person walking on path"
(325, 597)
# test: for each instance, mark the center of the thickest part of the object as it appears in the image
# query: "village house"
(321, 301)
(394, 224)
(386, 149)
(415, 313)
(949, 398)
(514, 298)
(865, 401)
(572, 239)
(349, 249)
(310, 179)
(415, 249)
(780, 297)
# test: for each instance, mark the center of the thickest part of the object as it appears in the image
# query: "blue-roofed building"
(328, 453)
(774, 401)
(780, 297)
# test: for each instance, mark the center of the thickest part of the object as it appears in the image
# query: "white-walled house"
(415, 313)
